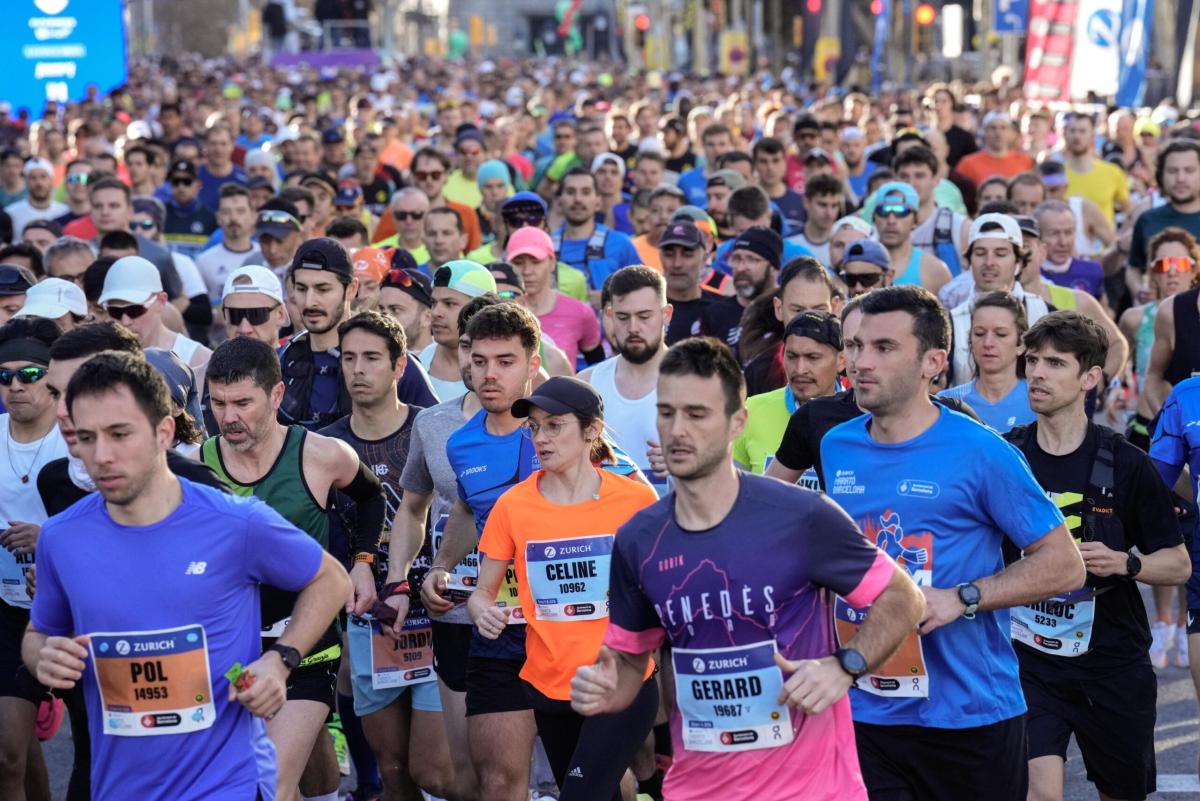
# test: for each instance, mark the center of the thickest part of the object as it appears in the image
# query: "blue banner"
(1011, 16)
(55, 49)
(879, 53)
(1137, 28)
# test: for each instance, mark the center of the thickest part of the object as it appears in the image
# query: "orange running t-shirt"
(561, 556)
(981, 165)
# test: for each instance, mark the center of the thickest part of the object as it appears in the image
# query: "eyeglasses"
(182, 181)
(900, 212)
(79, 178)
(26, 375)
(865, 280)
(132, 312)
(1174, 264)
(144, 225)
(552, 428)
(279, 217)
(421, 175)
(256, 315)
(402, 216)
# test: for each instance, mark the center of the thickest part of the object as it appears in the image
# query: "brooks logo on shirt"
(195, 568)
(470, 471)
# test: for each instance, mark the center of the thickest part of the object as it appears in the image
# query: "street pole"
(984, 28)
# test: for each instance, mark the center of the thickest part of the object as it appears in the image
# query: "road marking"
(1178, 783)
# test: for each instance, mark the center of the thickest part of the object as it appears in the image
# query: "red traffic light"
(924, 14)
(813, 6)
(642, 22)
(877, 7)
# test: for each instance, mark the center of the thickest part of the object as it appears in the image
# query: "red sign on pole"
(1048, 50)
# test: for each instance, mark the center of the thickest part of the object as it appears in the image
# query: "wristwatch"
(853, 662)
(1133, 566)
(969, 594)
(289, 655)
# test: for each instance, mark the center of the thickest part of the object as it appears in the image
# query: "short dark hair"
(917, 154)
(150, 156)
(931, 324)
(431, 153)
(42, 329)
(576, 172)
(504, 321)
(293, 195)
(458, 220)
(473, 307)
(733, 157)
(243, 357)
(806, 268)
(1070, 332)
(750, 202)
(93, 278)
(1025, 178)
(106, 371)
(26, 251)
(768, 145)
(382, 326)
(110, 182)
(716, 129)
(634, 277)
(233, 190)
(346, 226)
(707, 357)
(93, 338)
(823, 184)
(1010, 303)
(119, 240)
(649, 155)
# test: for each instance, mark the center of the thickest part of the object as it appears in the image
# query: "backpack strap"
(943, 226)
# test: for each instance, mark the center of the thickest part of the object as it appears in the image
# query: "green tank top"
(280, 487)
(1144, 342)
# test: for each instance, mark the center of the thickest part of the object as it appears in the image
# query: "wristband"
(396, 588)
(364, 558)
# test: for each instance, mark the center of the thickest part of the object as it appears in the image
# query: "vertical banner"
(1137, 33)
(879, 52)
(1048, 50)
(1094, 67)
(1187, 14)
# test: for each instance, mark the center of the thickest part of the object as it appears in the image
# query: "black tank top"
(1185, 361)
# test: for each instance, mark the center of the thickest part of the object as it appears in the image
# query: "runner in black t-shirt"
(1085, 665)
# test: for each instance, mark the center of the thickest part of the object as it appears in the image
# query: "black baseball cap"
(819, 326)
(259, 182)
(681, 233)
(277, 223)
(1029, 225)
(182, 167)
(15, 280)
(325, 254)
(411, 282)
(505, 273)
(562, 395)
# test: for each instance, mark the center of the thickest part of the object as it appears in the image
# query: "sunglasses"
(398, 277)
(421, 175)
(26, 375)
(133, 312)
(865, 280)
(279, 217)
(531, 219)
(510, 294)
(1174, 264)
(182, 181)
(401, 216)
(144, 225)
(900, 212)
(256, 315)
(77, 179)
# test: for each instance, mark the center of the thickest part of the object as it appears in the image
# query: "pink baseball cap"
(529, 241)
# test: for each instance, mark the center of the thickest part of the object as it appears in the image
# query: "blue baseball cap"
(888, 194)
(869, 251)
(523, 199)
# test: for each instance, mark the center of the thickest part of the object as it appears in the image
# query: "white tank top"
(184, 348)
(1084, 248)
(630, 421)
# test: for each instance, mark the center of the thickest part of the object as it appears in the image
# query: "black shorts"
(1112, 719)
(315, 683)
(451, 643)
(915, 763)
(15, 679)
(1193, 621)
(494, 685)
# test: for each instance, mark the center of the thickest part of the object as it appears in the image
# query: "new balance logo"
(195, 568)
(575, 773)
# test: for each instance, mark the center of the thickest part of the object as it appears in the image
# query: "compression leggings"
(588, 756)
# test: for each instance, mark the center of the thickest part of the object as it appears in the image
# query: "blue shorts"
(367, 699)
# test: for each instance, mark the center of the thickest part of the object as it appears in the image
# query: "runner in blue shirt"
(582, 242)
(177, 609)
(940, 493)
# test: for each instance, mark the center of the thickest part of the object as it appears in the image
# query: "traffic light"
(877, 7)
(924, 14)
(641, 24)
(813, 6)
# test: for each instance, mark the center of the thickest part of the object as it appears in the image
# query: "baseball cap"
(38, 164)
(857, 223)
(1053, 173)
(151, 206)
(131, 279)
(326, 254)
(411, 282)
(732, 179)
(52, 298)
(277, 223)
(562, 395)
(1028, 225)
(332, 136)
(819, 326)
(254, 278)
(505, 273)
(182, 167)
(259, 182)
(609, 158)
(852, 133)
(907, 195)
(180, 378)
(1008, 229)
(348, 195)
(682, 233)
(995, 116)
(468, 277)
(529, 241)
(818, 154)
(372, 263)
(322, 179)
(869, 251)
(762, 242)
(522, 201)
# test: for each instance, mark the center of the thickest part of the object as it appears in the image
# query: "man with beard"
(754, 258)
(1179, 179)
(289, 468)
(637, 317)
(322, 286)
(39, 203)
(582, 242)
(721, 184)
(858, 167)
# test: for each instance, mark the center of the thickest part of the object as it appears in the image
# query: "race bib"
(403, 662)
(509, 597)
(903, 675)
(568, 579)
(462, 580)
(726, 698)
(14, 567)
(808, 479)
(153, 682)
(1060, 626)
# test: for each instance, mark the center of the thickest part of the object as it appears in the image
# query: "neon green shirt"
(767, 419)
(462, 189)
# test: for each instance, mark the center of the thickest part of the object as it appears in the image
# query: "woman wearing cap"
(998, 392)
(557, 529)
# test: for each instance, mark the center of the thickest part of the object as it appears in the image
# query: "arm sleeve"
(1153, 523)
(496, 541)
(282, 556)
(840, 557)
(633, 625)
(51, 612)
(1137, 245)
(1011, 496)
(794, 452)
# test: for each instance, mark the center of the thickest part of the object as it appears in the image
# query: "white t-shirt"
(189, 275)
(22, 214)
(821, 251)
(19, 500)
(218, 262)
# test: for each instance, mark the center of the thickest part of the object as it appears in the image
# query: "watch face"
(968, 594)
(853, 662)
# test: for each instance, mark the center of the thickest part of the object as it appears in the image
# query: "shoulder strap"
(1098, 502)
(595, 244)
(1021, 436)
(943, 226)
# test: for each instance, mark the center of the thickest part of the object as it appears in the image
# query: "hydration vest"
(299, 371)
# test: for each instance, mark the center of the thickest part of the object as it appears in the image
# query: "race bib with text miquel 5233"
(153, 682)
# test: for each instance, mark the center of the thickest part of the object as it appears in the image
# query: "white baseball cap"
(52, 298)
(254, 278)
(131, 279)
(609, 158)
(1009, 230)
